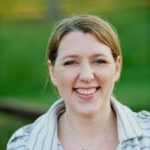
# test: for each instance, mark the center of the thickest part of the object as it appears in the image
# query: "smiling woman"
(84, 72)
(85, 61)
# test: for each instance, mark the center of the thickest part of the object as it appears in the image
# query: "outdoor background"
(25, 27)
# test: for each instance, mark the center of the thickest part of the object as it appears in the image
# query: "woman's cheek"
(66, 80)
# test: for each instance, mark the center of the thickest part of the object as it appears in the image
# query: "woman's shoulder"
(144, 114)
(24, 136)
(143, 118)
(20, 138)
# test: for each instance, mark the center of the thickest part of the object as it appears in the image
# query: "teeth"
(86, 91)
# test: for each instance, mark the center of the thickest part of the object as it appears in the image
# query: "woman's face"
(84, 73)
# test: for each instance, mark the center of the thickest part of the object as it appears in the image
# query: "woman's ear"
(118, 68)
(51, 72)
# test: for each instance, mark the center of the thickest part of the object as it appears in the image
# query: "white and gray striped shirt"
(133, 130)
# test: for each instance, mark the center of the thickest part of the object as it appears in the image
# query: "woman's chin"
(89, 110)
(87, 105)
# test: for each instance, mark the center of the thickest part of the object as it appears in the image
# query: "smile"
(86, 91)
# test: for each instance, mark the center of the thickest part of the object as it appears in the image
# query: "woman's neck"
(96, 124)
(88, 130)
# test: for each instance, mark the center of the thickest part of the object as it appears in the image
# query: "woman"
(84, 61)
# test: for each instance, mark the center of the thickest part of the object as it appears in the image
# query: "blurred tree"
(54, 9)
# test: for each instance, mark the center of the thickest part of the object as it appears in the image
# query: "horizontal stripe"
(145, 148)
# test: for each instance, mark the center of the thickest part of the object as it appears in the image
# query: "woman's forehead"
(78, 43)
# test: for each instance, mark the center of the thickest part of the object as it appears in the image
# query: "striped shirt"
(133, 130)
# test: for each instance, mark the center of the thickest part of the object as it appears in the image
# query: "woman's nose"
(86, 73)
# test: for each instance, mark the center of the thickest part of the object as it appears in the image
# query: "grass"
(23, 69)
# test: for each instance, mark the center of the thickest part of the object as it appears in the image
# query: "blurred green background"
(25, 27)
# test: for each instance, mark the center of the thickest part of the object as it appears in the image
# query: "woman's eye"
(69, 63)
(99, 61)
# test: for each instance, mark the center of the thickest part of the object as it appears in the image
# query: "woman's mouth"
(86, 93)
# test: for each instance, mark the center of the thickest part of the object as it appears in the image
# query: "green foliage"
(22, 59)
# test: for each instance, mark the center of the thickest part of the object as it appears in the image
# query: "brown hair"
(101, 29)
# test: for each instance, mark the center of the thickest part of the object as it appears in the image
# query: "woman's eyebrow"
(77, 56)
(99, 55)
(70, 56)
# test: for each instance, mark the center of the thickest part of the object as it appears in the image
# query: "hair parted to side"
(101, 29)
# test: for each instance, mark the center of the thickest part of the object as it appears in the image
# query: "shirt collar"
(128, 127)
